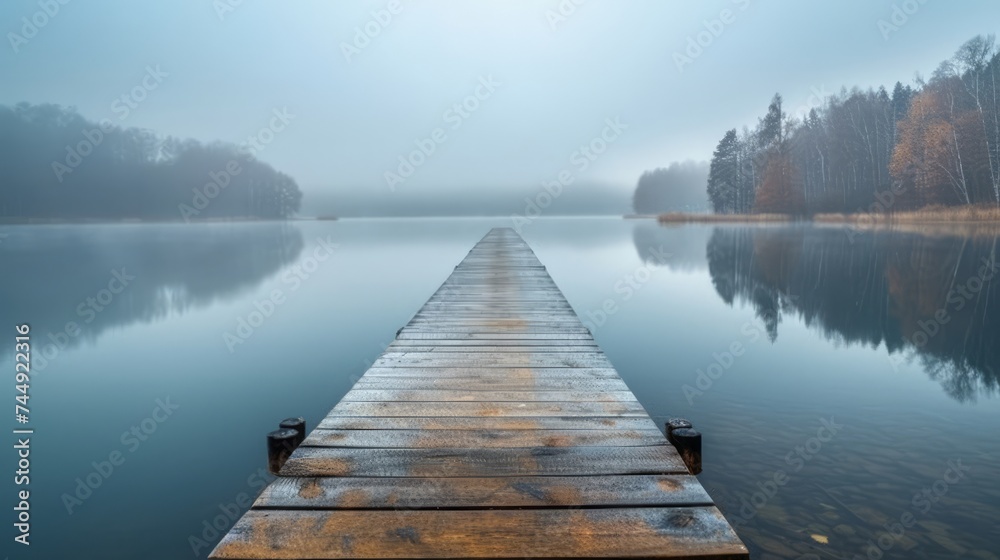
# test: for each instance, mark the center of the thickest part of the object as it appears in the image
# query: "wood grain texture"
(479, 493)
(492, 342)
(488, 360)
(431, 334)
(612, 423)
(484, 349)
(488, 409)
(681, 532)
(490, 375)
(482, 439)
(514, 461)
(496, 383)
(424, 395)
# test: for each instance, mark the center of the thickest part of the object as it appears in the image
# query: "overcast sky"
(556, 81)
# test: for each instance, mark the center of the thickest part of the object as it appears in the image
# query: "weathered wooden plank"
(548, 316)
(510, 461)
(482, 439)
(506, 304)
(515, 294)
(490, 384)
(450, 395)
(613, 423)
(481, 493)
(500, 285)
(498, 307)
(491, 375)
(479, 349)
(528, 280)
(493, 324)
(580, 335)
(495, 330)
(448, 316)
(479, 273)
(490, 319)
(682, 532)
(488, 409)
(426, 359)
(495, 342)
(514, 300)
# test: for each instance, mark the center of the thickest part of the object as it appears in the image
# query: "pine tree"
(772, 126)
(723, 175)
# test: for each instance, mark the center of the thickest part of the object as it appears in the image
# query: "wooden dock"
(492, 427)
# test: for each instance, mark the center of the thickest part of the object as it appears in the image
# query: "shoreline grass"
(939, 215)
(927, 215)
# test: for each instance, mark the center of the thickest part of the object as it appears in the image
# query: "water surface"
(836, 376)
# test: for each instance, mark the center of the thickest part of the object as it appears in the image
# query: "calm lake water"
(845, 382)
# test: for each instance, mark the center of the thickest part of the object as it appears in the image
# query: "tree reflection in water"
(926, 298)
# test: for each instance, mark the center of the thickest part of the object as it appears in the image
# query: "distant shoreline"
(111, 221)
(936, 215)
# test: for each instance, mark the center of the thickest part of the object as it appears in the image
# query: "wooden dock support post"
(297, 424)
(676, 424)
(688, 444)
(280, 444)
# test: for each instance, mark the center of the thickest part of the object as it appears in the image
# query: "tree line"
(55, 164)
(934, 143)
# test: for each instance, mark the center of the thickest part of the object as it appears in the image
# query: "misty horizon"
(496, 99)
